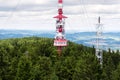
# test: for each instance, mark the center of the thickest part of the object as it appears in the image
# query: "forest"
(35, 58)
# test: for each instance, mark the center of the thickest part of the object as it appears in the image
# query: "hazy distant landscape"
(110, 39)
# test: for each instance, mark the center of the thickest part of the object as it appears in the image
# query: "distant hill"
(110, 39)
(35, 58)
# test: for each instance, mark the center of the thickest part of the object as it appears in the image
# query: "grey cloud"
(52, 4)
(29, 7)
(108, 12)
(86, 2)
(7, 8)
(3, 16)
(26, 5)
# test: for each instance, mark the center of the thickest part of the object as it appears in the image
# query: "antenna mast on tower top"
(60, 40)
(99, 31)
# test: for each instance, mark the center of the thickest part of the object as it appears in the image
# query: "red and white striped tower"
(60, 40)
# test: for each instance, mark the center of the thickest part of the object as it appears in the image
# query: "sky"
(38, 14)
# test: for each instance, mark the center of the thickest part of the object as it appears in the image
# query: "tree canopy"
(35, 58)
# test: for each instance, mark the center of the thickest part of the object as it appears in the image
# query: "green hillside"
(36, 58)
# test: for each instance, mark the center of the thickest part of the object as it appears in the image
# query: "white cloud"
(38, 14)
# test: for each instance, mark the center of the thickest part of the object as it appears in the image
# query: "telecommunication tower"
(60, 40)
(99, 31)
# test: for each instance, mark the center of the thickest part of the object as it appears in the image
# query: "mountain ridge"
(85, 38)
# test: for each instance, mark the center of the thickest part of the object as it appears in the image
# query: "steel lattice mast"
(99, 32)
(60, 40)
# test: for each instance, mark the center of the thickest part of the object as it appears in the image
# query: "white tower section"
(99, 31)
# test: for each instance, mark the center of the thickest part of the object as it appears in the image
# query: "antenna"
(60, 40)
(99, 19)
(99, 31)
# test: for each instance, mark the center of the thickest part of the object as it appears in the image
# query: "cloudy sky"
(38, 14)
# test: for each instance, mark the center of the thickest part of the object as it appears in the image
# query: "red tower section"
(60, 40)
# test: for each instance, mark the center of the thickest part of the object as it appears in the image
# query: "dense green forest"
(36, 58)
